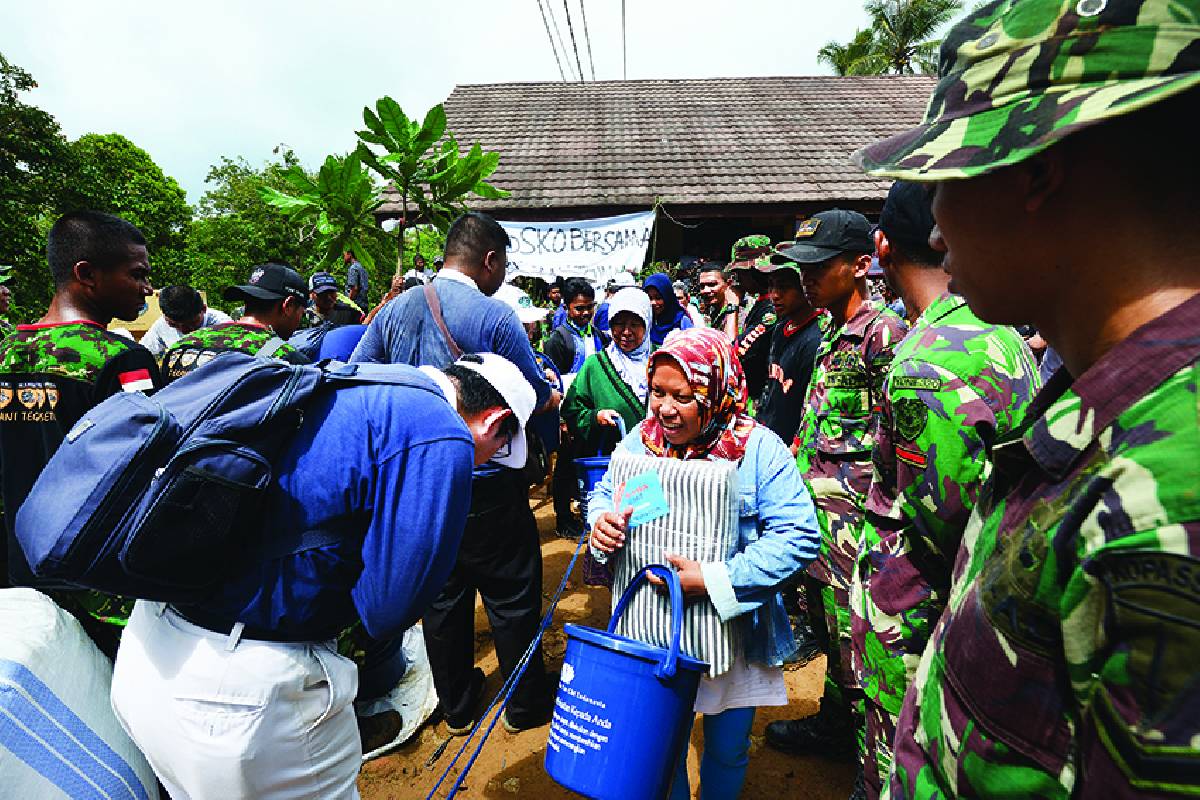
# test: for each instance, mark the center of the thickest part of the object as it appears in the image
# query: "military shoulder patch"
(808, 228)
(913, 382)
(911, 416)
(769, 318)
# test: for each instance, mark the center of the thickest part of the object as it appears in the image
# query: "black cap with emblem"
(825, 235)
(270, 282)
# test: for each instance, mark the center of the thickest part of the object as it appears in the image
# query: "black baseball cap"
(825, 235)
(907, 216)
(322, 282)
(270, 282)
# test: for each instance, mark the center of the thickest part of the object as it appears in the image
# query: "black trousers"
(565, 485)
(500, 558)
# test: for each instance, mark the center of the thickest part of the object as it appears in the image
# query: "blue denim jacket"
(778, 538)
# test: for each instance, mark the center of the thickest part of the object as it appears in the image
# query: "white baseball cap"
(622, 280)
(521, 303)
(506, 379)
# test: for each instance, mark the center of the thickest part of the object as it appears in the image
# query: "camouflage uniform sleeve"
(1131, 616)
(939, 430)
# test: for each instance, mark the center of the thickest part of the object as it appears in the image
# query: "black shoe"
(815, 735)
(515, 723)
(807, 646)
(572, 530)
(379, 730)
(461, 726)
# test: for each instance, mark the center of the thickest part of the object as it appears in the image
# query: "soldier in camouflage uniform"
(55, 371)
(836, 434)
(276, 298)
(956, 385)
(1064, 664)
(747, 255)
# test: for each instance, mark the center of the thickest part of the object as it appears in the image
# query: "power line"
(587, 38)
(553, 49)
(561, 42)
(571, 29)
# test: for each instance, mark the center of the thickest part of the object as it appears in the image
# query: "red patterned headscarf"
(709, 362)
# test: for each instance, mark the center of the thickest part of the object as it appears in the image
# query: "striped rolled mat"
(702, 525)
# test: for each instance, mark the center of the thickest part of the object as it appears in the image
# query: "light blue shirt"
(777, 538)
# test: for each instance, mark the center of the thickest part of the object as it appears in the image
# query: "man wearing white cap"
(246, 695)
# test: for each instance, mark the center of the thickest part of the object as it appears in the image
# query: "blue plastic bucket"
(592, 468)
(624, 707)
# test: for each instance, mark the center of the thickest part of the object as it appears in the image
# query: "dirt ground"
(510, 766)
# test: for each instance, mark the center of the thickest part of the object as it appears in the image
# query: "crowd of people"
(994, 545)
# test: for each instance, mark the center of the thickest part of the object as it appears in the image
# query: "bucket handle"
(666, 669)
(620, 435)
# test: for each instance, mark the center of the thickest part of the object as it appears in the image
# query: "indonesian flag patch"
(136, 380)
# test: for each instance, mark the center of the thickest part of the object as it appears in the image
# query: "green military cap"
(1016, 76)
(750, 252)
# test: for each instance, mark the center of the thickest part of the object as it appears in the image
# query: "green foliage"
(34, 158)
(858, 57)
(110, 173)
(424, 240)
(433, 180)
(235, 229)
(338, 206)
(900, 40)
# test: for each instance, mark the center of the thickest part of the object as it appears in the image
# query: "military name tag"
(911, 382)
(841, 379)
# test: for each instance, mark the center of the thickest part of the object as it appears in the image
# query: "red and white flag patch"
(136, 380)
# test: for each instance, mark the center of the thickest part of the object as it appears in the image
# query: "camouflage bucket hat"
(1016, 76)
(750, 252)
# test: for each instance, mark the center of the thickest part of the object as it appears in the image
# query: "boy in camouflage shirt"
(1064, 664)
(955, 386)
(276, 298)
(55, 371)
(833, 250)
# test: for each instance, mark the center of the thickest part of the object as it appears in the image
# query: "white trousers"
(223, 719)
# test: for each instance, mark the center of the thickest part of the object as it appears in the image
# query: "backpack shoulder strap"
(383, 374)
(270, 347)
(435, 308)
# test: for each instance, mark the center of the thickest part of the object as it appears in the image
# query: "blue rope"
(509, 685)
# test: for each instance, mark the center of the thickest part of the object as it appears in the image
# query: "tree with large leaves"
(900, 40)
(432, 179)
(336, 207)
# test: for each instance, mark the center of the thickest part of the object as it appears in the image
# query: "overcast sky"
(193, 81)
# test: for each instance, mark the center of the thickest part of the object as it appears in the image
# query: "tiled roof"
(723, 140)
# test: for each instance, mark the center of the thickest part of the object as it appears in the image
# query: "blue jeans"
(723, 763)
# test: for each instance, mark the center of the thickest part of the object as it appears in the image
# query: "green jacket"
(599, 386)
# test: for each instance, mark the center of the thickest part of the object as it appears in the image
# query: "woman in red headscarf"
(697, 410)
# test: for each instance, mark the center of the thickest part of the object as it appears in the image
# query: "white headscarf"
(632, 366)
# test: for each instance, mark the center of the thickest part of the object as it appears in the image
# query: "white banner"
(596, 249)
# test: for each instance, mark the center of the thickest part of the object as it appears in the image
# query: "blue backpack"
(169, 487)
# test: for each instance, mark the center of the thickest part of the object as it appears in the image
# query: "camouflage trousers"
(879, 733)
(835, 604)
(830, 616)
